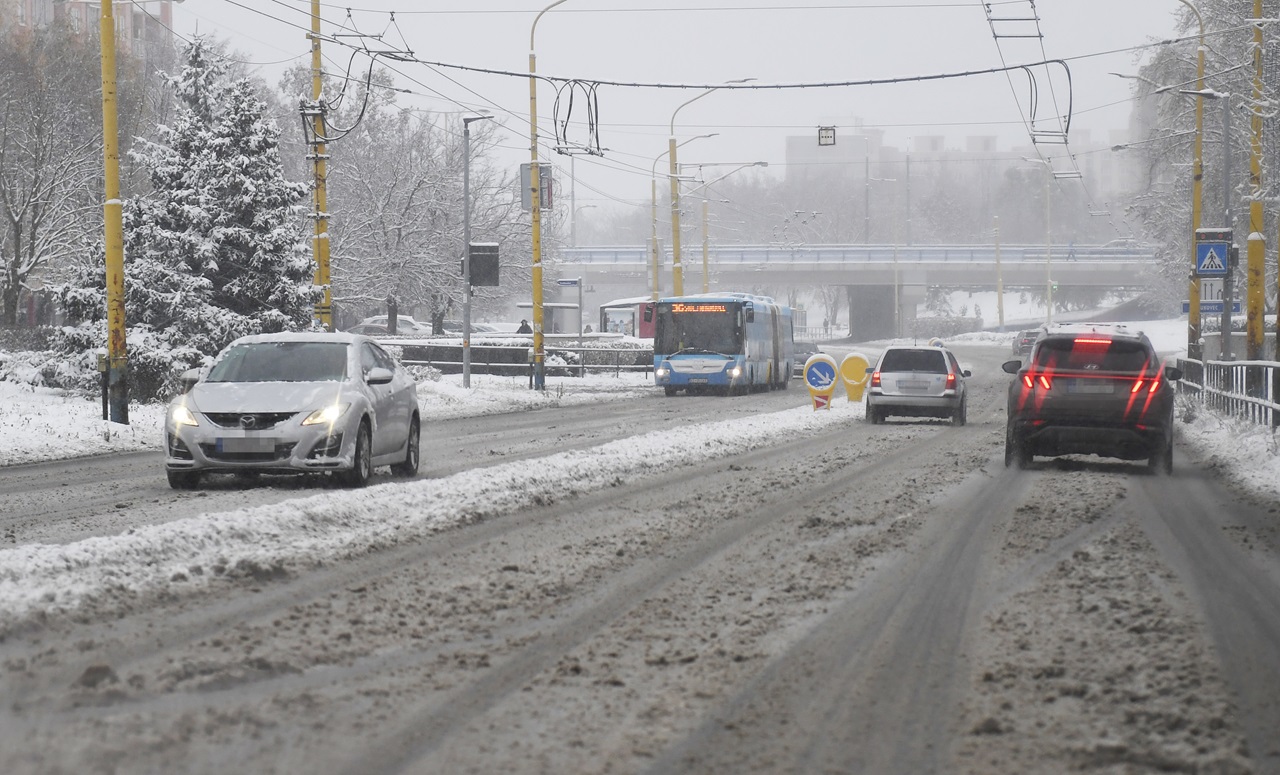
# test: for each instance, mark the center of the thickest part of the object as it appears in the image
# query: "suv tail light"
(951, 380)
(1030, 381)
(875, 379)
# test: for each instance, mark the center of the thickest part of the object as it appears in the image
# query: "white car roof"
(302, 336)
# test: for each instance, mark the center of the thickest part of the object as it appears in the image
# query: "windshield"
(282, 362)
(1094, 354)
(930, 360)
(702, 326)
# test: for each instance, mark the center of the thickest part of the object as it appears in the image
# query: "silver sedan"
(295, 403)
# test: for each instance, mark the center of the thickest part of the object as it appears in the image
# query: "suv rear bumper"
(1126, 442)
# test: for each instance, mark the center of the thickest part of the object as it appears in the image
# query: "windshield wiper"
(684, 350)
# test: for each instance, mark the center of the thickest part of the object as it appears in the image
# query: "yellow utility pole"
(112, 210)
(706, 272)
(319, 157)
(1257, 242)
(1194, 351)
(677, 274)
(535, 200)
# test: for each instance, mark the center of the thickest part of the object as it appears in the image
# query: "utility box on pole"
(484, 263)
(526, 187)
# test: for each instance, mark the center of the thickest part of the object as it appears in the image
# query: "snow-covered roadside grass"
(189, 553)
(41, 424)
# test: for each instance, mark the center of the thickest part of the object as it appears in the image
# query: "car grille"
(261, 421)
(281, 452)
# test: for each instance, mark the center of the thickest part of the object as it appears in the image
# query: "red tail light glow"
(1029, 381)
(1155, 384)
(1137, 385)
(1085, 340)
(1044, 382)
(951, 381)
(875, 379)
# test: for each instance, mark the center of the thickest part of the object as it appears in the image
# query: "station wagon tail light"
(875, 379)
(951, 380)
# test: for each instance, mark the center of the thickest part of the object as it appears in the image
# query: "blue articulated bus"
(722, 342)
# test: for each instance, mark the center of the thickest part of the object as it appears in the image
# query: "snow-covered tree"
(217, 249)
(395, 199)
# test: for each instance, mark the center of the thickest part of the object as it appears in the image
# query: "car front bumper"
(294, 448)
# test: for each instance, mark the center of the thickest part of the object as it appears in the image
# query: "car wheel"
(669, 391)
(958, 418)
(410, 465)
(183, 480)
(362, 460)
(873, 415)
(1016, 451)
(1161, 460)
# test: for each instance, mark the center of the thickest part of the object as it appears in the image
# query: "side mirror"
(967, 373)
(188, 380)
(379, 376)
(1172, 373)
(1011, 367)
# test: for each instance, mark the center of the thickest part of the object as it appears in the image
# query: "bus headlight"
(663, 371)
(735, 372)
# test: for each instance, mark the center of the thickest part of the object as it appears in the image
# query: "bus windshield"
(698, 327)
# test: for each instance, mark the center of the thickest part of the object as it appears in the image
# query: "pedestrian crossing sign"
(1211, 259)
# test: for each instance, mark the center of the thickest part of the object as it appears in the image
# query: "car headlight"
(326, 416)
(181, 415)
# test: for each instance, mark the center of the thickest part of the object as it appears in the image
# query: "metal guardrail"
(514, 361)
(1244, 389)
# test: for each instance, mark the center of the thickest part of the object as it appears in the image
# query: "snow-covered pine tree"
(216, 250)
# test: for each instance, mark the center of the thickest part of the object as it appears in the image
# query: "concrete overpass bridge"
(869, 273)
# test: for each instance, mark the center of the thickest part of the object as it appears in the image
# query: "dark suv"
(1024, 341)
(1091, 389)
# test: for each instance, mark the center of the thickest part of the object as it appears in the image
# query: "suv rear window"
(1095, 355)
(931, 361)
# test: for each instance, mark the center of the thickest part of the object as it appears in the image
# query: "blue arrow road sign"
(820, 374)
(1211, 259)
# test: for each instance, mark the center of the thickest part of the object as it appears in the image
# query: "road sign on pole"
(1213, 252)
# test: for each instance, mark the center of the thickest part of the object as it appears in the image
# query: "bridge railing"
(1247, 390)
(839, 254)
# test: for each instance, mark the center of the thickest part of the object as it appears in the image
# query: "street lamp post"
(653, 195)
(535, 200)
(466, 246)
(1194, 350)
(706, 274)
(677, 276)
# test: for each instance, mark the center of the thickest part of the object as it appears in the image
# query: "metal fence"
(1244, 389)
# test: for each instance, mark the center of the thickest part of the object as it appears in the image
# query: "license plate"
(698, 381)
(912, 384)
(247, 444)
(1090, 386)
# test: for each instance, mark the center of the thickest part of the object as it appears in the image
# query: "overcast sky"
(714, 41)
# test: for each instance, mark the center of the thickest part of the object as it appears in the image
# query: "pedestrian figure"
(524, 328)
(826, 327)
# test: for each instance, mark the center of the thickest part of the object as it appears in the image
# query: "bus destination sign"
(680, 307)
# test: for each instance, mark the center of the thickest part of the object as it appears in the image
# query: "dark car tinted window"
(1099, 355)
(931, 361)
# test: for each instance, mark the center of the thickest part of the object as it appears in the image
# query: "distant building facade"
(143, 27)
